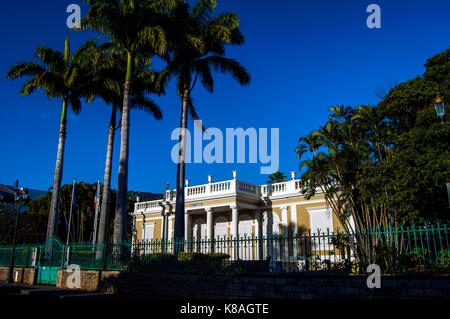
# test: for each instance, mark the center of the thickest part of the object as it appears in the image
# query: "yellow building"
(235, 208)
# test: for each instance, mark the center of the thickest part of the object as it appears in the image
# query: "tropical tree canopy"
(276, 177)
(197, 38)
(379, 166)
(59, 76)
(135, 29)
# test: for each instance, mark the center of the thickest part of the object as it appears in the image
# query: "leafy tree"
(404, 101)
(30, 229)
(82, 213)
(415, 177)
(384, 165)
(276, 177)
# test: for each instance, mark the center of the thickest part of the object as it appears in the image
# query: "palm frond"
(143, 103)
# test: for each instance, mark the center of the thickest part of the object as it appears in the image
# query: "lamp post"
(439, 105)
(19, 197)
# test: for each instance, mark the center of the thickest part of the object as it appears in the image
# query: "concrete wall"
(166, 285)
(24, 275)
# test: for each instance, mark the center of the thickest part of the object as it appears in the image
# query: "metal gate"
(51, 259)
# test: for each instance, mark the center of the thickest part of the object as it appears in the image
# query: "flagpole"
(97, 207)
(70, 214)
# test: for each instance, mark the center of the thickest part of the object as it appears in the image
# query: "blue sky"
(303, 55)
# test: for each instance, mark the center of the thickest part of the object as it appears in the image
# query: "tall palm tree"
(61, 76)
(108, 72)
(134, 27)
(197, 42)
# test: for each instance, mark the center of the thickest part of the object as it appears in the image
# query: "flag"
(97, 196)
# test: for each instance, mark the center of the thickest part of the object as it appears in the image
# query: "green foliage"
(276, 177)
(197, 38)
(415, 178)
(82, 214)
(390, 261)
(30, 229)
(153, 262)
(59, 76)
(384, 164)
(198, 262)
(404, 101)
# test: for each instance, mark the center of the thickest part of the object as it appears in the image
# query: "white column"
(164, 225)
(187, 226)
(187, 231)
(258, 234)
(169, 233)
(234, 231)
(234, 220)
(209, 227)
(209, 222)
(294, 228)
(285, 232)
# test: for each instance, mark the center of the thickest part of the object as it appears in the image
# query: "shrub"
(151, 262)
(199, 262)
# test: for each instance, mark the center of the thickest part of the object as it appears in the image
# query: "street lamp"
(20, 196)
(439, 105)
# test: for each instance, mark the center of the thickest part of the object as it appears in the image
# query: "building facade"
(236, 209)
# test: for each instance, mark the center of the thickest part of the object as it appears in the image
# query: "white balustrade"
(220, 187)
(223, 188)
(148, 205)
(247, 187)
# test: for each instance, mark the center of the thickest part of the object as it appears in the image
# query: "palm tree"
(276, 177)
(197, 43)
(108, 73)
(61, 77)
(134, 28)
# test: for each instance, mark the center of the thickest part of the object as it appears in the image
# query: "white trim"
(312, 210)
(147, 225)
(294, 222)
(148, 218)
(284, 229)
(170, 230)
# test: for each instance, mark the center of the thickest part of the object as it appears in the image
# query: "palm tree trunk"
(103, 225)
(179, 208)
(122, 187)
(57, 177)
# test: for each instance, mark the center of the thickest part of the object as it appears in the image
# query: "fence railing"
(395, 249)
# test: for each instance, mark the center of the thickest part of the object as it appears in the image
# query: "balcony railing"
(229, 187)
